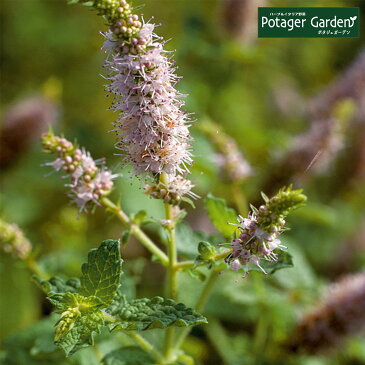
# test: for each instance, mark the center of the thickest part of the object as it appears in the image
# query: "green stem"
(200, 304)
(136, 231)
(182, 265)
(33, 266)
(138, 339)
(145, 345)
(172, 272)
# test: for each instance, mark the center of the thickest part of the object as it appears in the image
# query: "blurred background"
(295, 109)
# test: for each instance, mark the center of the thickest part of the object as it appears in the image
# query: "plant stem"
(200, 304)
(136, 231)
(172, 255)
(172, 272)
(145, 345)
(138, 339)
(33, 267)
(189, 264)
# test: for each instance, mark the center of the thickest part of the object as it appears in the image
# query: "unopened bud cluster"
(13, 242)
(258, 233)
(206, 251)
(88, 182)
(172, 191)
(125, 26)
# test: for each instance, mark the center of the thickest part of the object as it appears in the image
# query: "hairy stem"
(200, 304)
(136, 231)
(172, 273)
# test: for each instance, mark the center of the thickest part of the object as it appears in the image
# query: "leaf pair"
(95, 300)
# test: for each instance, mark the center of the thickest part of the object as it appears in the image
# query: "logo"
(308, 22)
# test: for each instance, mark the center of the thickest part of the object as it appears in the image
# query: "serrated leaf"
(81, 332)
(81, 317)
(130, 355)
(285, 260)
(65, 301)
(58, 285)
(221, 215)
(145, 314)
(101, 274)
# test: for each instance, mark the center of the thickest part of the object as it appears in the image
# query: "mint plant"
(153, 137)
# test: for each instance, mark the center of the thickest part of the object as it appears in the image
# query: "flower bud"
(206, 250)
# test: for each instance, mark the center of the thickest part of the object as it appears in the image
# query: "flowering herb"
(89, 180)
(153, 136)
(258, 234)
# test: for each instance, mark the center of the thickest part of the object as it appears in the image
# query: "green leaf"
(79, 332)
(130, 355)
(58, 285)
(101, 274)
(32, 345)
(197, 274)
(139, 217)
(221, 215)
(188, 201)
(81, 317)
(125, 237)
(187, 240)
(285, 260)
(65, 301)
(145, 314)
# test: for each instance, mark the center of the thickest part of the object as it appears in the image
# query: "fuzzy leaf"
(81, 317)
(58, 285)
(101, 274)
(144, 314)
(284, 261)
(130, 355)
(80, 332)
(220, 215)
(65, 301)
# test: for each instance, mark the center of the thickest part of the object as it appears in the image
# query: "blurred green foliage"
(233, 84)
